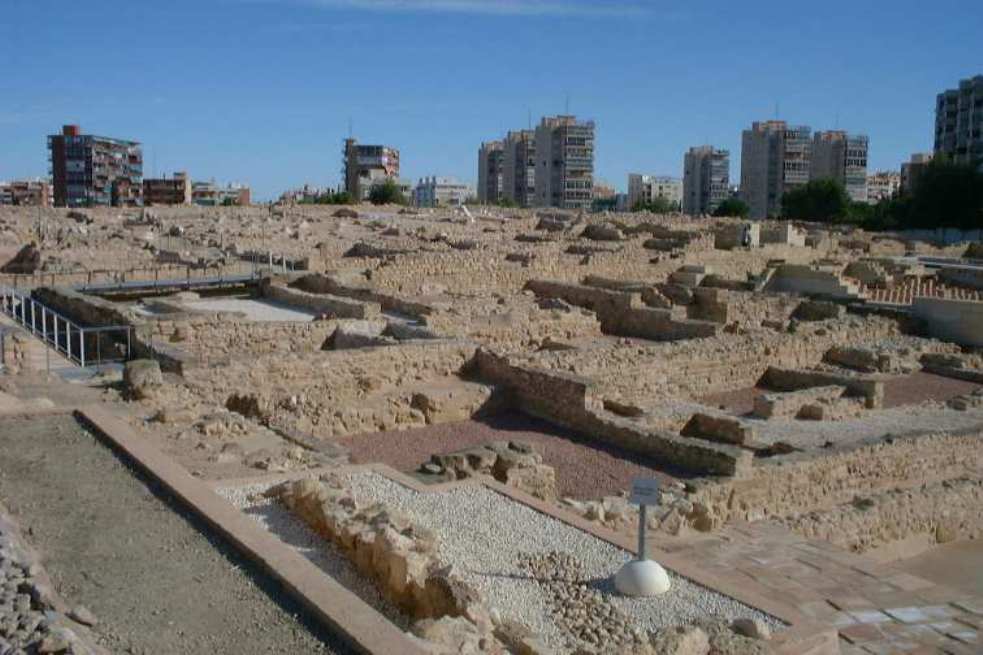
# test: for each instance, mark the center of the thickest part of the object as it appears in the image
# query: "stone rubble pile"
(32, 619)
(513, 463)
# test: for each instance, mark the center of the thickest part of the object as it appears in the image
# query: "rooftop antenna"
(349, 127)
(529, 118)
(776, 110)
(566, 106)
(836, 121)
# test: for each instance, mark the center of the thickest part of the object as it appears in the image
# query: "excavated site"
(373, 429)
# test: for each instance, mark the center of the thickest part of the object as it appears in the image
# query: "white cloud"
(495, 7)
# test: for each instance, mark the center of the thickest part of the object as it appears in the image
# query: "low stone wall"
(570, 401)
(328, 305)
(624, 314)
(743, 308)
(782, 379)
(802, 482)
(940, 512)
(960, 321)
(217, 339)
(788, 405)
(327, 284)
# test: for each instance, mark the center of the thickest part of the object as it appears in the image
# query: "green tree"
(947, 195)
(507, 203)
(386, 193)
(824, 200)
(732, 207)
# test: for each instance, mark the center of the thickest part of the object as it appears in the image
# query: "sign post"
(642, 576)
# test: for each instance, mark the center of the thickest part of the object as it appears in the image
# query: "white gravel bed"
(482, 533)
(254, 309)
(293, 532)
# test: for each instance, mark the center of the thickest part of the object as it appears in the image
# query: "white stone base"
(642, 578)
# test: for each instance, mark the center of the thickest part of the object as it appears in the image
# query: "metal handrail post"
(81, 347)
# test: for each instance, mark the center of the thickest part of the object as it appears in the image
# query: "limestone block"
(142, 377)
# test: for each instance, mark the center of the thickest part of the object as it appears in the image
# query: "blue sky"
(261, 91)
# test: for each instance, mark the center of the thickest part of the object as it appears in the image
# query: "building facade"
(959, 122)
(706, 179)
(519, 168)
(775, 158)
(646, 188)
(209, 194)
(167, 191)
(882, 185)
(911, 170)
(26, 193)
(842, 157)
(564, 163)
(491, 159)
(441, 192)
(368, 165)
(88, 170)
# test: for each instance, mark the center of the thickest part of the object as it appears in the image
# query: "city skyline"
(211, 116)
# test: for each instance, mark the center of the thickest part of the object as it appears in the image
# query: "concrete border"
(364, 628)
(804, 635)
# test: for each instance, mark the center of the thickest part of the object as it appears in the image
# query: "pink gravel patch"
(583, 470)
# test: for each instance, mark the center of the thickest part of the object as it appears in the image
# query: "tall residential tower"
(842, 157)
(775, 158)
(491, 155)
(565, 163)
(88, 170)
(706, 179)
(959, 122)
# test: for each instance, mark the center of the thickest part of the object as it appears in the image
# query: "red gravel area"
(583, 470)
(922, 386)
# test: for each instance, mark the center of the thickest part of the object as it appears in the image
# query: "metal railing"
(85, 346)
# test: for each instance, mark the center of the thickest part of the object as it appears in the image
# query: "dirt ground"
(157, 579)
(584, 471)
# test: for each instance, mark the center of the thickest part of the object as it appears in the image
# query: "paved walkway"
(878, 608)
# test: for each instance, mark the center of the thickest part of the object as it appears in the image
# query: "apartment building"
(912, 170)
(491, 159)
(519, 168)
(959, 122)
(210, 194)
(436, 191)
(646, 188)
(89, 170)
(775, 158)
(175, 190)
(706, 179)
(564, 163)
(842, 157)
(366, 166)
(26, 193)
(882, 185)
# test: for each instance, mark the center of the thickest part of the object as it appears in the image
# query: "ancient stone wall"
(211, 340)
(726, 362)
(572, 402)
(799, 483)
(339, 392)
(324, 304)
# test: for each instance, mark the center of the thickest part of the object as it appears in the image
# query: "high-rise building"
(26, 193)
(565, 163)
(491, 159)
(959, 122)
(775, 158)
(706, 179)
(643, 189)
(519, 167)
(167, 191)
(366, 166)
(94, 170)
(911, 170)
(842, 157)
(441, 192)
(882, 185)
